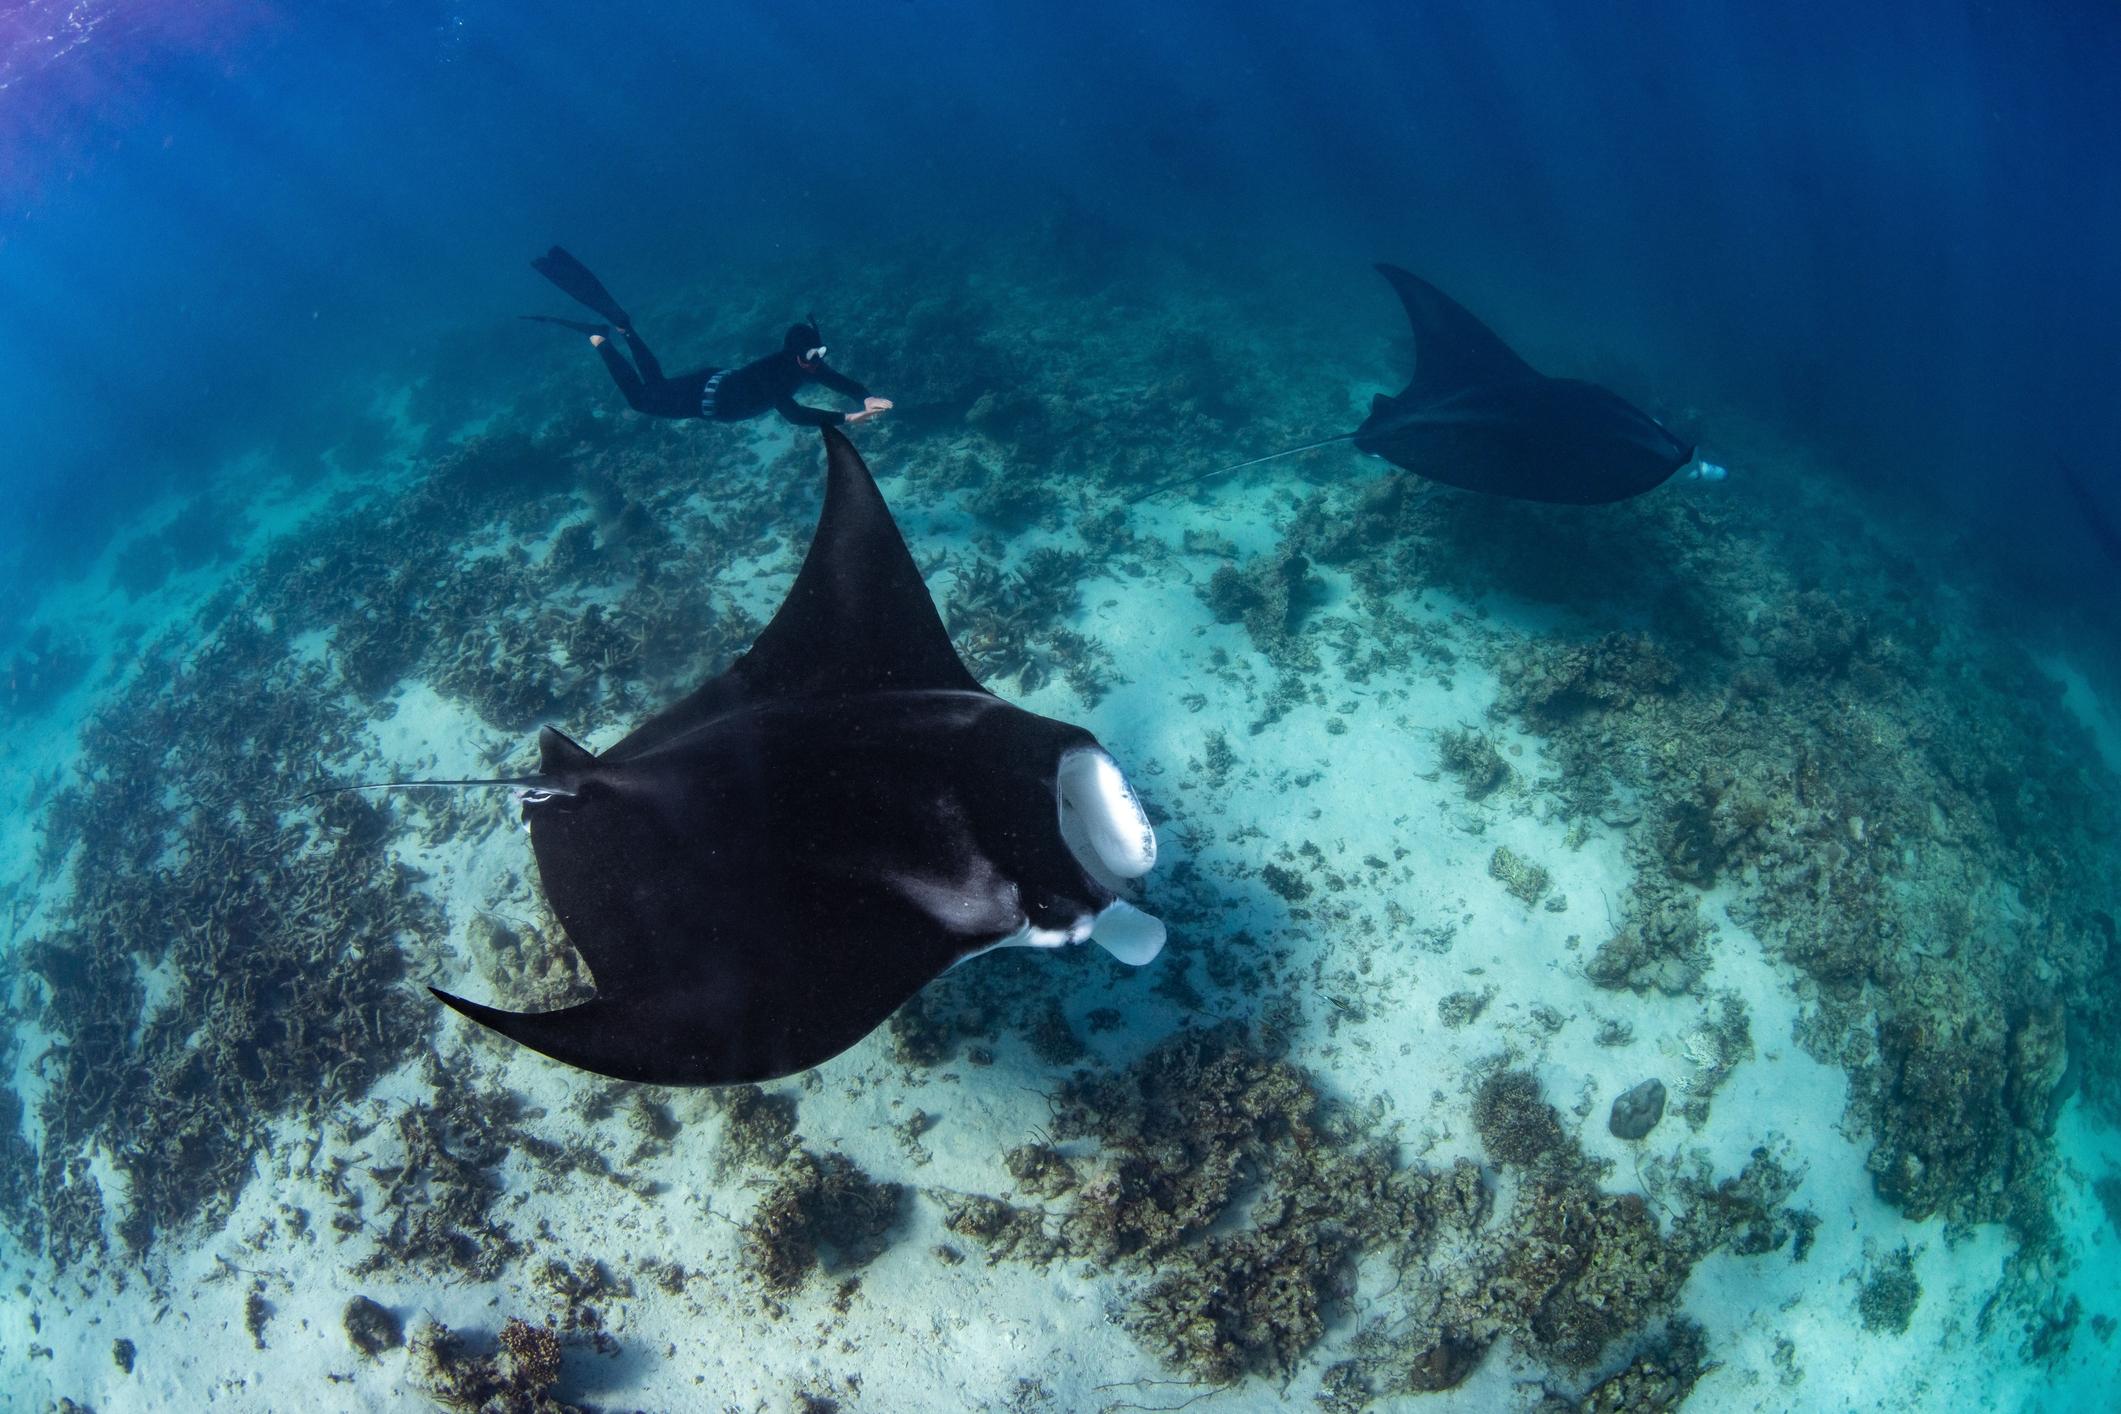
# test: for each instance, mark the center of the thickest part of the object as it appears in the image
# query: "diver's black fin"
(1452, 349)
(857, 619)
(580, 326)
(585, 289)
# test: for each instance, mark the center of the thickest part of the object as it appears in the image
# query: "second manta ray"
(762, 873)
(1478, 417)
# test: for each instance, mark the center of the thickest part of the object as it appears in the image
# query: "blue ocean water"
(1885, 225)
(266, 262)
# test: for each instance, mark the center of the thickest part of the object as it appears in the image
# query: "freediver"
(719, 394)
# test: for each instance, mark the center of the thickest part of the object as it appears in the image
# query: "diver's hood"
(802, 338)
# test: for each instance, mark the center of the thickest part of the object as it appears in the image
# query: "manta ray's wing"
(1453, 351)
(857, 619)
(758, 897)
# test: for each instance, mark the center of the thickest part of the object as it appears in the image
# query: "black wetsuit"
(764, 384)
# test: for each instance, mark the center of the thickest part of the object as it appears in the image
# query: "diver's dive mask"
(805, 341)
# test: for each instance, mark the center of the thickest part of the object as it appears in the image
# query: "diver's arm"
(803, 416)
(838, 382)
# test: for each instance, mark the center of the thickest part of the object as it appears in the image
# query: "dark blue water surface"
(1886, 230)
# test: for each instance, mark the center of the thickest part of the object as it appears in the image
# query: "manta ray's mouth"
(1100, 810)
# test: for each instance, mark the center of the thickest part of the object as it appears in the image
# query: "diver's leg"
(650, 369)
(621, 371)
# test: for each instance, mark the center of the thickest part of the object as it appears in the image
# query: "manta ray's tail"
(1186, 481)
(561, 758)
(524, 782)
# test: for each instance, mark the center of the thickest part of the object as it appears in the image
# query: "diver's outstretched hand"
(871, 407)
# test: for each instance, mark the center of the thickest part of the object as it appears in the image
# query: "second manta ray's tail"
(584, 288)
(1162, 487)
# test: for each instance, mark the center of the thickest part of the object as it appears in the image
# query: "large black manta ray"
(761, 873)
(1478, 417)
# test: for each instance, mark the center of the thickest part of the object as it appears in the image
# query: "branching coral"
(1472, 758)
(1551, 683)
(1009, 624)
(286, 990)
(1218, 1173)
(1663, 946)
(1271, 596)
(821, 1210)
(516, 1378)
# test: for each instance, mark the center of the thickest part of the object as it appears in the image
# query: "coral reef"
(287, 978)
(1005, 1231)
(372, 1328)
(1662, 947)
(758, 1129)
(1189, 1132)
(1551, 683)
(1271, 597)
(528, 968)
(1658, 1379)
(1010, 624)
(1041, 1170)
(1247, 1205)
(1814, 758)
(1520, 877)
(820, 1211)
(1952, 1141)
(1455, 1009)
(517, 1377)
(1472, 758)
(1890, 1293)
(1722, 1041)
(430, 1185)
